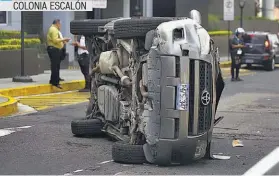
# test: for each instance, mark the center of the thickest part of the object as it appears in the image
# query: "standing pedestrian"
(236, 53)
(55, 45)
(83, 60)
(63, 54)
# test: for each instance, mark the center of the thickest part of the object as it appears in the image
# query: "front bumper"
(179, 126)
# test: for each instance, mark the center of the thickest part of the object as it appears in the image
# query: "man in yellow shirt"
(55, 45)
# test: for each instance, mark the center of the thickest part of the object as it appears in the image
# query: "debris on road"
(237, 143)
(221, 157)
(104, 162)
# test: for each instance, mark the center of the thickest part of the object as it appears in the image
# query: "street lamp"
(241, 5)
(22, 77)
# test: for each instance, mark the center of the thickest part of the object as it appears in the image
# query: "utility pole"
(23, 77)
(268, 9)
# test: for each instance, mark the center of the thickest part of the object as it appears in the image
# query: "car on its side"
(261, 49)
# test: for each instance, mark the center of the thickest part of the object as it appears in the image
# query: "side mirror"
(196, 15)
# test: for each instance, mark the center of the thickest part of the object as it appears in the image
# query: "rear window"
(255, 39)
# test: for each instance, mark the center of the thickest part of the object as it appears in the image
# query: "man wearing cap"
(236, 45)
(55, 44)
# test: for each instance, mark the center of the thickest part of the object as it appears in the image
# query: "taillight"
(266, 44)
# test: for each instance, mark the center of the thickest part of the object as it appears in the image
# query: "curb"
(73, 68)
(9, 107)
(225, 64)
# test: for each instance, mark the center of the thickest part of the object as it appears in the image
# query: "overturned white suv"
(156, 84)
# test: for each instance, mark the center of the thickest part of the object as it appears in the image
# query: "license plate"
(182, 98)
(249, 61)
(239, 51)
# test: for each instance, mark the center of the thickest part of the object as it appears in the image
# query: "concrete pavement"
(3, 99)
(48, 146)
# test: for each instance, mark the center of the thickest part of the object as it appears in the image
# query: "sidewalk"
(68, 75)
(74, 80)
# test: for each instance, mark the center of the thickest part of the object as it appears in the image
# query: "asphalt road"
(46, 146)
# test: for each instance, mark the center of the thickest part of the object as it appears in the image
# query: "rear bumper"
(175, 134)
(255, 59)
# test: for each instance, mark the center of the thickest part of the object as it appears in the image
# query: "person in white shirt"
(83, 60)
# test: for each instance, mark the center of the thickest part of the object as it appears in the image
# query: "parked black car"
(261, 49)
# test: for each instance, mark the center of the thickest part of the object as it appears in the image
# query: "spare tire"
(87, 127)
(137, 27)
(128, 154)
(88, 27)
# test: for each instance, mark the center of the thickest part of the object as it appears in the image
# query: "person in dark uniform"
(55, 45)
(63, 53)
(83, 60)
(236, 48)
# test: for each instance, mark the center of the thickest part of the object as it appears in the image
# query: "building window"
(3, 17)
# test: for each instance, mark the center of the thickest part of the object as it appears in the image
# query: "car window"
(254, 39)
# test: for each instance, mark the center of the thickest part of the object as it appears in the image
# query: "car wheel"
(273, 64)
(128, 154)
(88, 27)
(138, 27)
(86, 127)
(249, 65)
(270, 65)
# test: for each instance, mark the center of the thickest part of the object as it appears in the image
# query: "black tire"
(88, 27)
(249, 66)
(128, 154)
(86, 127)
(138, 27)
(270, 65)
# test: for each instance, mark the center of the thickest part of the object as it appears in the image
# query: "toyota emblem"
(205, 98)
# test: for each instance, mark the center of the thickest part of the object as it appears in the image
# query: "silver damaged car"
(155, 87)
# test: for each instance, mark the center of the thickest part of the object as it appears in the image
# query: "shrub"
(10, 47)
(213, 22)
(27, 42)
(10, 34)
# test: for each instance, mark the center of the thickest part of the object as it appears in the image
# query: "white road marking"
(264, 165)
(7, 131)
(24, 127)
(104, 162)
(118, 173)
(78, 171)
